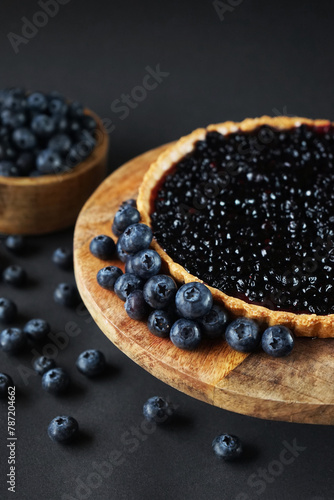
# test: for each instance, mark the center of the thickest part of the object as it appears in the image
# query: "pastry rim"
(303, 325)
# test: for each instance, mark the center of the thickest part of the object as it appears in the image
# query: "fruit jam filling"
(252, 214)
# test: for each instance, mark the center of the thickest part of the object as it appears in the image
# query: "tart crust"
(303, 325)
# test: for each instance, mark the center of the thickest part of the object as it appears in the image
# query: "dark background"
(263, 58)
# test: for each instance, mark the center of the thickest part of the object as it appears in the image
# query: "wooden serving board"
(298, 388)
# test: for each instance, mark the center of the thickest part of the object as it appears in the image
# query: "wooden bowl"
(37, 205)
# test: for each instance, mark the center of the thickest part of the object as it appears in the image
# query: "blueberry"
(128, 264)
(36, 329)
(243, 335)
(14, 102)
(91, 363)
(277, 341)
(88, 123)
(43, 364)
(14, 275)
(8, 310)
(61, 143)
(136, 237)
(131, 202)
(126, 284)
(12, 340)
(12, 119)
(122, 255)
(5, 382)
(159, 291)
(193, 300)
(63, 257)
(15, 243)
(43, 125)
(75, 110)
(157, 409)
(160, 322)
(55, 381)
(24, 139)
(103, 247)
(135, 305)
(146, 263)
(214, 323)
(8, 169)
(37, 102)
(227, 446)
(66, 295)
(49, 162)
(25, 163)
(125, 216)
(108, 276)
(185, 334)
(57, 106)
(63, 429)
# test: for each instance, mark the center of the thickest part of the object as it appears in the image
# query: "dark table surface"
(257, 57)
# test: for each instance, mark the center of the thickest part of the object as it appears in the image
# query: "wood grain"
(296, 389)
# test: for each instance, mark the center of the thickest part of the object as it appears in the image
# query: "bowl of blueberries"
(53, 154)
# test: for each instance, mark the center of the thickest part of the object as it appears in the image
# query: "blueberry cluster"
(252, 215)
(42, 133)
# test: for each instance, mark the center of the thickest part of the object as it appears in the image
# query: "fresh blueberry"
(214, 323)
(24, 139)
(5, 382)
(193, 300)
(131, 202)
(49, 162)
(146, 263)
(122, 255)
(37, 102)
(63, 429)
(36, 329)
(160, 322)
(157, 409)
(88, 123)
(243, 335)
(126, 284)
(61, 143)
(15, 243)
(185, 334)
(128, 264)
(103, 247)
(277, 341)
(124, 217)
(43, 364)
(227, 446)
(8, 169)
(25, 163)
(66, 295)
(12, 340)
(135, 305)
(136, 237)
(12, 119)
(14, 275)
(14, 101)
(55, 381)
(108, 276)
(159, 291)
(91, 363)
(63, 257)
(75, 109)
(57, 105)
(8, 310)
(43, 125)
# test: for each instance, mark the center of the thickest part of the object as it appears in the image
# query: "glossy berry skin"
(36, 329)
(63, 258)
(227, 447)
(159, 291)
(185, 334)
(8, 310)
(55, 381)
(193, 300)
(24, 139)
(135, 306)
(5, 382)
(157, 409)
(136, 237)
(12, 340)
(49, 162)
(91, 363)
(121, 254)
(63, 429)
(8, 169)
(125, 217)
(159, 323)
(103, 247)
(66, 295)
(61, 143)
(15, 243)
(126, 284)
(243, 335)
(43, 364)
(14, 275)
(128, 264)
(214, 323)
(277, 341)
(146, 263)
(43, 125)
(37, 102)
(108, 276)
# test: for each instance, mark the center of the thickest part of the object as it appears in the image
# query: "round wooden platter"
(298, 388)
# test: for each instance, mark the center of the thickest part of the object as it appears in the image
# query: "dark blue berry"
(66, 295)
(160, 322)
(8, 310)
(146, 263)
(75, 110)
(277, 341)
(128, 264)
(159, 291)
(122, 255)
(57, 106)
(157, 409)
(8, 169)
(61, 143)
(214, 323)
(36, 329)
(37, 102)
(185, 334)
(55, 381)
(12, 340)
(136, 237)
(103, 247)
(126, 284)
(227, 446)
(15, 243)
(63, 429)
(43, 125)
(63, 257)
(135, 305)
(49, 162)
(24, 139)
(5, 382)
(25, 163)
(43, 364)
(91, 363)
(12, 119)
(88, 123)
(124, 217)
(193, 300)
(243, 335)
(14, 275)
(108, 276)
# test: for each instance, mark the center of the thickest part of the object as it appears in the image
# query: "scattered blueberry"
(157, 409)
(146, 263)
(125, 217)
(5, 382)
(43, 364)
(193, 300)
(8, 310)
(277, 341)
(37, 102)
(15, 243)
(227, 446)
(135, 305)
(66, 295)
(159, 291)
(12, 340)
(103, 247)
(63, 257)
(36, 329)
(214, 323)
(91, 363)
(63, 429)
(160, 322)
(185, 334)
(126, 284)
(136, 237)
(108, 276)
(243, 335)
(55, 381)
(14, 275)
